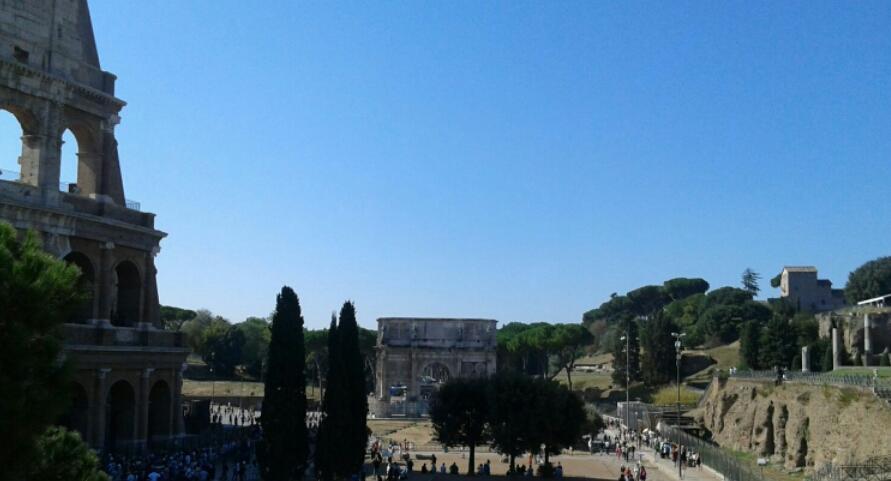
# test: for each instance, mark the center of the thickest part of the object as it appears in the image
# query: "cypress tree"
(331, 427)
(750, 344)
(282, 452)
(827, 364)
(355, 436)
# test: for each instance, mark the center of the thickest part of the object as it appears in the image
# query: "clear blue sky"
(512, 160)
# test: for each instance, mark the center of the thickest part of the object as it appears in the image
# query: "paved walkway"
(659, 469)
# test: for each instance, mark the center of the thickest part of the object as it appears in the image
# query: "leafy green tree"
(560, 420)
(37, 293)
(818, 352)
(525, 345)
(282, 452)
(806, 327)
(778, 343)
(647, 299)
(256, 344)
(727, 296)
(776, 280)
(510, 412)
(367, 343)
(62, 455)
(616, 309)
(354, 436)
(681, 288)
(317, 354)
(201, 329)
(872, 279)
(721, 322)
(459, 413)
(173, 318)
(632, 356)
(594, 422)
(750, 280)
(685, 313)
(658, 360)
(826, 364)
(567, 344)
(223, 350)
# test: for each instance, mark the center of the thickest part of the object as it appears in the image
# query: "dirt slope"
(799, 426)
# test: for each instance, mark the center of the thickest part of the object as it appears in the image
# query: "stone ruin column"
(836, 349)
(805, 359)
(867, 341)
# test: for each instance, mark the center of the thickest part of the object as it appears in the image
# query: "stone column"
(89, 173)
(106, 282)
(836, 349)
(178, 427)
(805, 359)
(99, 406)
(142, 407)
(867, 341)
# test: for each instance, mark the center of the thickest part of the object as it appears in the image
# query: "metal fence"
(67, 187)
(713, 455)
(820, 378)
(873, 469)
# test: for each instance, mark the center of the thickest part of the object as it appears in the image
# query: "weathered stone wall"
(850, 322)
(796, 425)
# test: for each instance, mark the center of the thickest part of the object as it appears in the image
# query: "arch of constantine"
(416, 355)
(128, 370)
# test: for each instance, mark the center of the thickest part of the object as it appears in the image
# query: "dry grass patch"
(669, 395)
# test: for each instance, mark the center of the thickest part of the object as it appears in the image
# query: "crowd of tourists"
(225, 460)
(233, 415)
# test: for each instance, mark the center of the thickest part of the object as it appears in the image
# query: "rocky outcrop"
(798, 426)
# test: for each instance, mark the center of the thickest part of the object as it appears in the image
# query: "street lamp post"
(627, 339)
(213, 386)
(677, 348)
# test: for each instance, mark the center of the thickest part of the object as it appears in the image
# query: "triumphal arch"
(416, 355)
(128, 370)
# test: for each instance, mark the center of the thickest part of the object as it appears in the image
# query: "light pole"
(213, 386)
(677, 347)
(627, 339)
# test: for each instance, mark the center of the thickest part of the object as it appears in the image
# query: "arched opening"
(10, 145)
(86, 285)
(120, 415)
(159, 410)
(68, 163)
(77, 416)
(432, 377)
(129, 291)
(435, 372)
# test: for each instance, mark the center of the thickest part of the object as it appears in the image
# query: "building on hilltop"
(128, 377)
(416, 355)
(803, 290)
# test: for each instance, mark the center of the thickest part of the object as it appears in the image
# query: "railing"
(877, 468)
(712, 455)
(66, 187)
(818, 378)
(89, 335)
